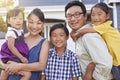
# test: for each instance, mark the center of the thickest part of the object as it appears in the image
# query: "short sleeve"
(76, 70)
(11, 33)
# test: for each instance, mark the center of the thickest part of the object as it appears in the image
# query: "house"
(54, 12)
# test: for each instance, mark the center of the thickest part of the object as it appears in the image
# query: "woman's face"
(35, 25)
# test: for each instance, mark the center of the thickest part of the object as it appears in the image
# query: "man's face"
(75, 17)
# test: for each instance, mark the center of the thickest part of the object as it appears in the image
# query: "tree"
(8, 4)
(3, 27)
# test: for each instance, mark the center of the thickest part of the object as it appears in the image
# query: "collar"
(53, 52)
(11, 28)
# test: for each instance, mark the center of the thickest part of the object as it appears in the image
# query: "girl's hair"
(59, 26)
(102, 6)
(38, 13)
(13, 13)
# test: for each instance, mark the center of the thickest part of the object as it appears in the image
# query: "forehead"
(58, 30)
(33, 17)
(74, 9)
(96, 9)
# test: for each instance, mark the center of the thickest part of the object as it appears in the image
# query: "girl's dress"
(6, 54)
(33, 56)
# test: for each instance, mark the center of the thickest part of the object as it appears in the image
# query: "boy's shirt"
(63, 67)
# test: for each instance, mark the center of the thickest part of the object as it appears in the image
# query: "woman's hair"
(102, 6)
(59, 26)
(38, 13)
(75, 3)
(13, 13)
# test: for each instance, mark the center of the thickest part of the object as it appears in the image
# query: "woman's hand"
(12, 67)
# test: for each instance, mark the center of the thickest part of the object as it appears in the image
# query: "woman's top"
(33, 56)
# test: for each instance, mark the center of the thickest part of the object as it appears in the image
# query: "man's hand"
(89, 72)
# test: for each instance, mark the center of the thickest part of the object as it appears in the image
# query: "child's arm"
(43, 77)
(72, 34)
(89, 72)
(11, 42)
(75, 78)
(84, 31)
(2, 64)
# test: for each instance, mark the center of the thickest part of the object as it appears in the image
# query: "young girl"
(62, 63)
(100, 19)
(14, 49)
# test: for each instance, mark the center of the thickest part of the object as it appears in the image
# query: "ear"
(85, 16)
(108, 16)
(8, 21)
(68, 37)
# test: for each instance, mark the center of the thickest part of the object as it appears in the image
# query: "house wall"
(118, 16)
(26, 3)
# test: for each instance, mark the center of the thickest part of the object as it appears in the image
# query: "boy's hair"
(12, 13)
(59, 26)
(75, 3)
(38, 13)
(102, 6)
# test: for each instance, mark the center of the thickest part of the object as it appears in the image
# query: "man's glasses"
(76, 15)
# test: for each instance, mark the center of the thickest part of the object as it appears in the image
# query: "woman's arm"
(36, 66)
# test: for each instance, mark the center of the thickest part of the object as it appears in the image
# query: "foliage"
(8, 4)
(3, 27)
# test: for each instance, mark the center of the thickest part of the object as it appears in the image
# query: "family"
(29, 56)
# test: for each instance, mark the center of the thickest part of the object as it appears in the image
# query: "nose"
(96, 18)
(73, 18)
(34, 25)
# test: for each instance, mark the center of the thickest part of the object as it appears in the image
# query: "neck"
(32, 36)
(60, 51)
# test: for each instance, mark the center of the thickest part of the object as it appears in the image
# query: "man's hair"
(75, 3)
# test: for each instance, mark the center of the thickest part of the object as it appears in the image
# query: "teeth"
(58, 43)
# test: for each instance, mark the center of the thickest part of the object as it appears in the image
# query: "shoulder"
(91, 36)
(72, 54)
(45, 41)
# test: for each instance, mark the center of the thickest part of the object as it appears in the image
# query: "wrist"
(20, 66)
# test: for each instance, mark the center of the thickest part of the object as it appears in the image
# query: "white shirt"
(10, 32)
(92, 48)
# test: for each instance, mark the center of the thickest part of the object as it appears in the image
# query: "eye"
(30, 22)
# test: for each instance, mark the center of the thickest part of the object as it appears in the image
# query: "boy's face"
(59, 38)
(77, 19)
(16, 21)
(98, 16)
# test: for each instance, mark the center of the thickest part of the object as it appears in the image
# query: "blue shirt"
(63, 67)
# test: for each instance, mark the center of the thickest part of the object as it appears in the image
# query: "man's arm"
(89, 71)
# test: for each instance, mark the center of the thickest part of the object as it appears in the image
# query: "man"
(95, 60)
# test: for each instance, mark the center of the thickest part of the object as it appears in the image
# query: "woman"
(37, 55)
